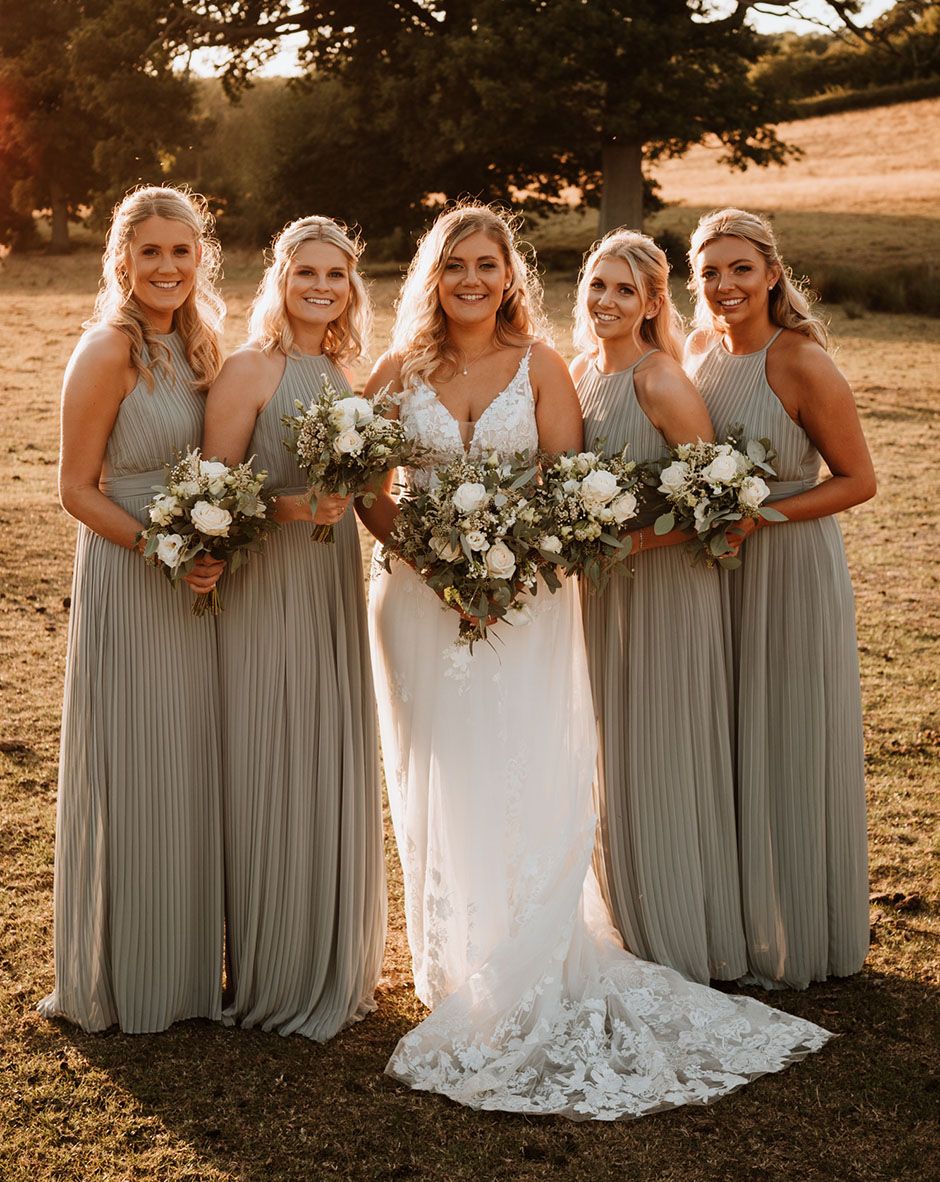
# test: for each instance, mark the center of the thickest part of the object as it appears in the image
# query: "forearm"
(292, 508)
(825, 499)
(91, 507)
(646, 538)
(379, 517)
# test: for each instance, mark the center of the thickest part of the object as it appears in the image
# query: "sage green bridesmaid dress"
(138, 866)
(304, 864)
(666, 857)
(794, 663)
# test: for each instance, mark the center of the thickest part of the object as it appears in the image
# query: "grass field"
(207, 1104)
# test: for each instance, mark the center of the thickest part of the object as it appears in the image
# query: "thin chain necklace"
(467, 363)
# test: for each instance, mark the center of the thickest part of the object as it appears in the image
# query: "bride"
(489, 759)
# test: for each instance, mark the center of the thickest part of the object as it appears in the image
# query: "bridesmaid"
(138, 869)
(666, 856)
(759, 358)
(305, 887)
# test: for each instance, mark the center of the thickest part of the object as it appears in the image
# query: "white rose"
(500, 561)
(164, 509)
(583, 461)
(348, 442)
(624, 507)
(701, 512)
(599, 488)
(445, 550)
(211, 519)
(571, 486)
(721, 470)
(673, 478)
(187, 488)
(347, 412)
(753, 492)
(213, 469)
(169, 549)
(469, 497)
(476, 540)
(551, 543)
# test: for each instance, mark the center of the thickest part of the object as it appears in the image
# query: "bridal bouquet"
(708, 487)
(473, 535)
(206, 507)
(345, 446)
(588, 500)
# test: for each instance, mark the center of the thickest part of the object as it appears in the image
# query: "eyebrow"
(481, 258)
(732, 264)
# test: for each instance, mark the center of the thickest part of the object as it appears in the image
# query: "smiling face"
(161, 260)
(474, 280)
(735, 280)
(615, 304)
(317, 286)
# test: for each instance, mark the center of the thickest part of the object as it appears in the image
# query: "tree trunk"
(622, 195)
(59, 242)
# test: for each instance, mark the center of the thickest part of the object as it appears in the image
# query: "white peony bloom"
(170, 549)
(599, 487)
(672, 479)
(470, 496)
(500, 561)
(445, 550)
(624, 507)
(349, 412)
(348, 442)
(213, 469)
(476, 540)
(164, 509)
(722, 469)
(753, 492)
(550, 543)
(211, 519)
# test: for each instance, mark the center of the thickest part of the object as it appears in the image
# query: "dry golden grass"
(210, 1105)
(865, 193)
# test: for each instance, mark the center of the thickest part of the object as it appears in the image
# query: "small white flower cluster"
(588, 500)
(473, 536)
(708, 487)
(345, 445)
(206, 507)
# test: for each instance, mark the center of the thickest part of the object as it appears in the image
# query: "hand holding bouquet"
(345, 446)
(587, 500)
(473, 536)
(206, 507)
(708, 487)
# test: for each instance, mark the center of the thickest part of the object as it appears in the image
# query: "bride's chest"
(507, 425)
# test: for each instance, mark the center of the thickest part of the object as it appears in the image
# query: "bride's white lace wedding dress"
(536, 1007)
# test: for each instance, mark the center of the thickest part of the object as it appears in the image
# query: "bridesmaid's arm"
(98, 378)
(557, 410)
(379, 517)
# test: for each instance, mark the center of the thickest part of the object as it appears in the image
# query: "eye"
(337, 274)
(451, 265)
(596, 285)
(743, 267)
(181, 250)
(626, 290)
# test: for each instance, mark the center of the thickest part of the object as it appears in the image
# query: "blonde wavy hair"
(346, 337)
(790, 301)
(650, 270)
(198, 320)
(419, 336)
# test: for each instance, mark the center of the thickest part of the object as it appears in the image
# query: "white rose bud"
(599, 487)
(753, 492)
(551, 543)
(721, 470)
(348, 442)
(213, 469)
(583, 461)
(469, 497)
(476, 540)
(169, 550)
(164, 509)
(211, 519)
(571, 486)
(500, 561)
(673, 478)
(348, 412)
(624, 507)
(445, 550)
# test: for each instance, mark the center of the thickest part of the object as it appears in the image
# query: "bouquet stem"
(210, 602)
(323, 533)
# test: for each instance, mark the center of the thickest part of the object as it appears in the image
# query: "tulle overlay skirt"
(536, 1007)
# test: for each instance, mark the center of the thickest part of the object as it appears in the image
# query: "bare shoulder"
(546, 363)
(699, 341)
(103, 346)
(796, 359)
(100, 366)
(580, 366)
(386, 370)
(251, 361)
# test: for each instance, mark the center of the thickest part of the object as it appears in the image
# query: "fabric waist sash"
(135, 484)
(787, 488)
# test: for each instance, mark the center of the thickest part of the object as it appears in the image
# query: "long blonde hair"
(199, 319)
(346, 337)
(419, 336)
(790, 302)
(650, 270)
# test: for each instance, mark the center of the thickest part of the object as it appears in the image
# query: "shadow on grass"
(254, 1106)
